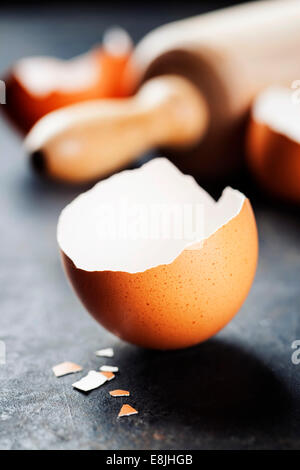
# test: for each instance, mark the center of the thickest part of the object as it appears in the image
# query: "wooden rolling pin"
(197, 78)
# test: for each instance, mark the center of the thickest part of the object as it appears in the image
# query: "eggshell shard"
(119, 393)
(108, 352)
(127, 410)
(36, 86)
(91, 381)
(108, 375)
(66, 368)
(273, 143)
(162, 294)
(109, 369)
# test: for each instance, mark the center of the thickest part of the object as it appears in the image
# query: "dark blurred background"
(79, 25)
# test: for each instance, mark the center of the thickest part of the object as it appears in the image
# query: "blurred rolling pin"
(197, 77)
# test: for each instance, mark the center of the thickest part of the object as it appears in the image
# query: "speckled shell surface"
(180, 304)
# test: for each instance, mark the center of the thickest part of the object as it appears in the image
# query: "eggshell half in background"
(162, 294)
(36, 86)
(273, 143)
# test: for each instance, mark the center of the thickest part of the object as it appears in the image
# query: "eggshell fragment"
(108, 352)
(119, 393)
(65, 368)
(108, 375)
(160, 293)
(273, 143)
(127, 410)
(109, 369)
(36, 86)
(91, 381)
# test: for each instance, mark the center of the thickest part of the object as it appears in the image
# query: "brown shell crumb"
(108, 375)
(127, 410)
(65, 368)
(119, 393)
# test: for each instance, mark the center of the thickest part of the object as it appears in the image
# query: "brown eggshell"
(274, 159)
(24, 108)
(179, 304)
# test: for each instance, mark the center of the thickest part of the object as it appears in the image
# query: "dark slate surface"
(239, 390)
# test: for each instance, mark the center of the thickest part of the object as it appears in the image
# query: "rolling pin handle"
(90, 140)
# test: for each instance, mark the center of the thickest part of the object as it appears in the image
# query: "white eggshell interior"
(279, 109)
(155, 183)
(43, 75)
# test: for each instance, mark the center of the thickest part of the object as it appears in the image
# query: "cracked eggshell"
(273, 143)
(183, 293)
(36, 86)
